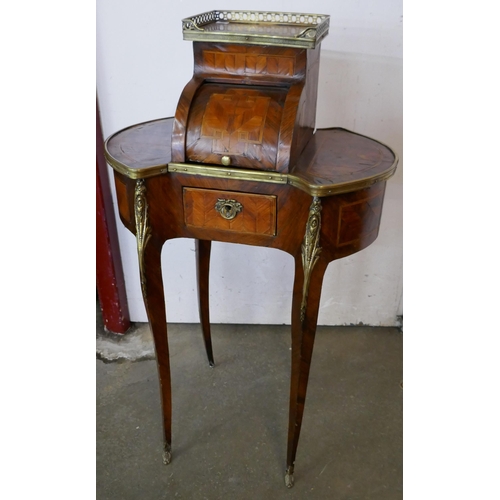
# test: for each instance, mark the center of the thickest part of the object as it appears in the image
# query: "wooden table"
(327, 206)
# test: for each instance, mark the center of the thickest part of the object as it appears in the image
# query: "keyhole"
(228, 208)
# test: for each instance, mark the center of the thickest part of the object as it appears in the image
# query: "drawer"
(230, 211)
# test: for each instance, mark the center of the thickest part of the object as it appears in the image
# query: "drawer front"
(230, 211)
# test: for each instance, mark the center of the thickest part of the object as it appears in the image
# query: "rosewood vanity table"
(241, 162)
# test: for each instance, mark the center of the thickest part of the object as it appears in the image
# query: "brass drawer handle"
(225, 160)
(228, 209)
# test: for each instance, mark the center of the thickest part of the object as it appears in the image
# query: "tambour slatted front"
(239, 122)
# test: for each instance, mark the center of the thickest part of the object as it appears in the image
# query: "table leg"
(149, 253)
(310, 268)
(203, 248)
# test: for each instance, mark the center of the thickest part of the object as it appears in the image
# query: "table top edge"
(243, 174)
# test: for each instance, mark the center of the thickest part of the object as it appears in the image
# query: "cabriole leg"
(310, 268)
(203, 248)
(149, 253)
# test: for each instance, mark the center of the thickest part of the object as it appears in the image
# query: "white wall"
(142, 66)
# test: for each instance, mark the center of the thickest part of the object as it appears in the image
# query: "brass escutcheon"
(228, 209)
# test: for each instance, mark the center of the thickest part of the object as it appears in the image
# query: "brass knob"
(225, 160)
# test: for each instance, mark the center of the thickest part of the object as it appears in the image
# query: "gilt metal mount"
(142, 229)
(310, 249)
(228, 209)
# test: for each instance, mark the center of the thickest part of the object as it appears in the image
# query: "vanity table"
(241, 162)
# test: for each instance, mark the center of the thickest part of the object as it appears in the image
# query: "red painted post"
(109, 272)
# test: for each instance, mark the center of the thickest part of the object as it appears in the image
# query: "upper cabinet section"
(252, 100)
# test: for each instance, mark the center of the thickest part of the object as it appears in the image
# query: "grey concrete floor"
(230, 422)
